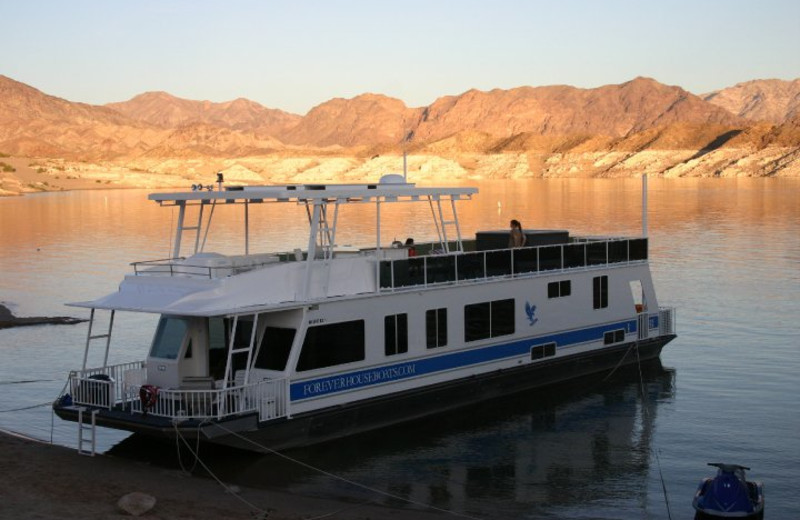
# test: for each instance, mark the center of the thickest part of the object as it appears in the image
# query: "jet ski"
(729, 495)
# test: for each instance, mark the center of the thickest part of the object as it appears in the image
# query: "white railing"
(267, 398)
(217, 268)
(104, 386)
(119, 385)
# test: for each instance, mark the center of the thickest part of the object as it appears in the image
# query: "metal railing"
(105, 386)
(177, 267)
(480, 265)
(267, 398)
(119, 385)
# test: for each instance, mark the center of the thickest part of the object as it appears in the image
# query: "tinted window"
(395, 329)
(169, 338)
(477, 319)
(330, 345)
(502, 317)
(489, 319)
(436, 327)
(600, 292)
(275, 348)
(559, 289)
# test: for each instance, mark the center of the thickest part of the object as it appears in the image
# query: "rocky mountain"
(208, 140)
(365, 120)
(33, 123)
(641, 126)
(167, 111)
(613, 110)
(769, 100)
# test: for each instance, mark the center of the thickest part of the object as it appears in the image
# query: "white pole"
(644, 205)
(405, 167)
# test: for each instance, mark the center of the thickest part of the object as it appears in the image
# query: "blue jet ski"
(729, 495)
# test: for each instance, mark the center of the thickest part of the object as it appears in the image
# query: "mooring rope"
(263, 513)
(27, 407)
(196, 452)
(27, 381)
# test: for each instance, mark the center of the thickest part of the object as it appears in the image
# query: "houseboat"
(284, 348)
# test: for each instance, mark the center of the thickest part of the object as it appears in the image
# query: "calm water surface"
(725, 253)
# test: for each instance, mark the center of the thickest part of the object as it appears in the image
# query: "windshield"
(169, 338)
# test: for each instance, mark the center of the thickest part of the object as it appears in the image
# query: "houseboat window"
(275, 347)
(638, 249)
(543, 351)
(169, 338)
(333, 344)
(477, 321)
(395, 329)
(436, 327)
(502, 318)
(600, 284)
(614, 336)
(488, 319)
(559, 289)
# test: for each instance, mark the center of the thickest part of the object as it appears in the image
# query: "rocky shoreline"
(8, 320)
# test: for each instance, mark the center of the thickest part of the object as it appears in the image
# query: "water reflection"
(523, 457)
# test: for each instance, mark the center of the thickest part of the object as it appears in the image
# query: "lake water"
(725, 253)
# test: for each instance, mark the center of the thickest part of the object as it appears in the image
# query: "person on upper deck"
(517, 237)
(412, 250)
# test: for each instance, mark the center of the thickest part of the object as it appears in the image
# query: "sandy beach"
(42, 481)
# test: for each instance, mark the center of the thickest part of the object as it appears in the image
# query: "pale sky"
(296, 55)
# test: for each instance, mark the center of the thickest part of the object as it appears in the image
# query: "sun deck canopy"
(300, 193)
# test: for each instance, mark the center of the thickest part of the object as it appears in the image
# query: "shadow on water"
(524, 455)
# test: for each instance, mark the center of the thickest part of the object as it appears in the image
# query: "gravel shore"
(42, 481)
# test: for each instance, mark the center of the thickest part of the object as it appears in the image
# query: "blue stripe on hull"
(396, 372)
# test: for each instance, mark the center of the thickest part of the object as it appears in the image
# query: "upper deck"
(209, 283)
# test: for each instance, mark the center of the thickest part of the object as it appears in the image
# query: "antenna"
(644, 205)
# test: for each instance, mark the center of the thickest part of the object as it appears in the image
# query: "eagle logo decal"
(530, 311)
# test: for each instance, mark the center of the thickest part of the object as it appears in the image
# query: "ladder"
(180, 229)
(321, 227)
(93, 337)
(234, 351)
(87, 433)
(444, 222)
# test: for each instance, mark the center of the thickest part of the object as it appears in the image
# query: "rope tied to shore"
(48, 403)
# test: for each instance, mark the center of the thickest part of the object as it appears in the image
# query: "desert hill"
(167, 111)
(613, 110)
(35, 124)
(640, 126)
(769, 100)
